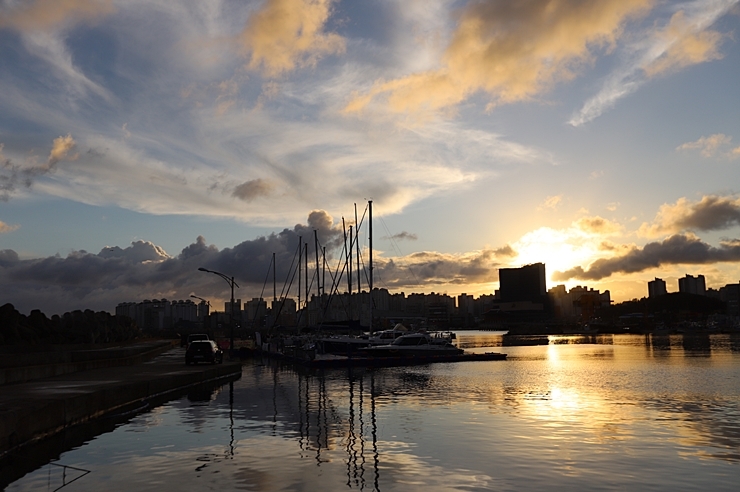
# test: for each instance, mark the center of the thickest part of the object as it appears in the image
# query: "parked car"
(196, 336)
(203, 351)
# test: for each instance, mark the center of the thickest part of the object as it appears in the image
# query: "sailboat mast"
(357, 247)
(316, 247)
(370, 268)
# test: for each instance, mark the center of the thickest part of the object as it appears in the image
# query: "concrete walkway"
(36, 409)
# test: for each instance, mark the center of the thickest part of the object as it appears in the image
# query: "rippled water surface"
(598, 413)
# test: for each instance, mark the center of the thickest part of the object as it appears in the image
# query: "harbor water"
(622, 412)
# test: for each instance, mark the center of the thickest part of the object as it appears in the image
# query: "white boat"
(414, 344)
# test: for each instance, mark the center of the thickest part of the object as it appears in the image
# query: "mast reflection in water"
(599, 412)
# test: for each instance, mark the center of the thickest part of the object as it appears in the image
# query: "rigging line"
(284, 292)
(262, 292)
(336, 279)
(398, 250)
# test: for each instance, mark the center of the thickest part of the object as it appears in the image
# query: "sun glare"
(558, 249)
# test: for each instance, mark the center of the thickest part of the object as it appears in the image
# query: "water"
(614, 413)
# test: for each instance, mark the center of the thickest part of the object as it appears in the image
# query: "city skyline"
(140, 142)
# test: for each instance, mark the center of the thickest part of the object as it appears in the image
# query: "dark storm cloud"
(678, 249)
(143, 270)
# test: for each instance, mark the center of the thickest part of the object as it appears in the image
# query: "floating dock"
(412, 360)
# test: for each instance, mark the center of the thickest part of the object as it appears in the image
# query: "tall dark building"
(523, 284)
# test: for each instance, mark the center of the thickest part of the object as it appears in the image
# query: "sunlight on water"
(620, 412)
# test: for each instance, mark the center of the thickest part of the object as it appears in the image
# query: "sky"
(141, 140)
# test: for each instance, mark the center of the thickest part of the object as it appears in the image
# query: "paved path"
(33, 410)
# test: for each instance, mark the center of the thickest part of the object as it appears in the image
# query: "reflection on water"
(597, 412)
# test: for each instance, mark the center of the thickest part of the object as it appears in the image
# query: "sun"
(559, 250)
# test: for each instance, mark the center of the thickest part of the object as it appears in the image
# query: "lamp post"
(203, 321)
(232, 283)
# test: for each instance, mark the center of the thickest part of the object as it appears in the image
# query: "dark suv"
(203, 351)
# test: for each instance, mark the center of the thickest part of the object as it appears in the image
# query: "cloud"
(511, 51)
(401, 236)
(286, 34)
(138, 252)
(428, 268)
(712, 145)
(8, 257)
(687, 45)
(684, 41)
(7, 227)
(14, 175)
(61, 150)
(252, 189)
(143, 270)
(83, 280)
(597, 225)
(551, 203)
(711, 213)
(677, 249)
(38, 15)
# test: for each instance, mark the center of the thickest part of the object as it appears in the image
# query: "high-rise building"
(522, 284)
(692, 285)
(657, 288)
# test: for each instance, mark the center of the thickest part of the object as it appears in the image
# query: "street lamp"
(232, 283)
(203, 316)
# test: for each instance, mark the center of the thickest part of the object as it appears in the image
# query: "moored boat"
(413, 344)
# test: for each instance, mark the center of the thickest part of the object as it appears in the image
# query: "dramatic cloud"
(717, 144)
(512, 51)
(711, 213)
(33, 15)
(678, 249)
(250, 190)
(286, 34)
(7, 227)
(685, 40)
(142, 270)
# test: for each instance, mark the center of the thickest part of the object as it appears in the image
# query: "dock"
(328, 361)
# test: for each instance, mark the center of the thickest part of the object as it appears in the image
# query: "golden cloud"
(286, 34)
(687, 46)
(509, 50)
(47, 14)
(7, 227)
(712, 145)
(597, 225)
(61, 150)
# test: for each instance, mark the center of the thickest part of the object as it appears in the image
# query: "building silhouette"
(522, 284)
(692, 285)
(657, 288)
